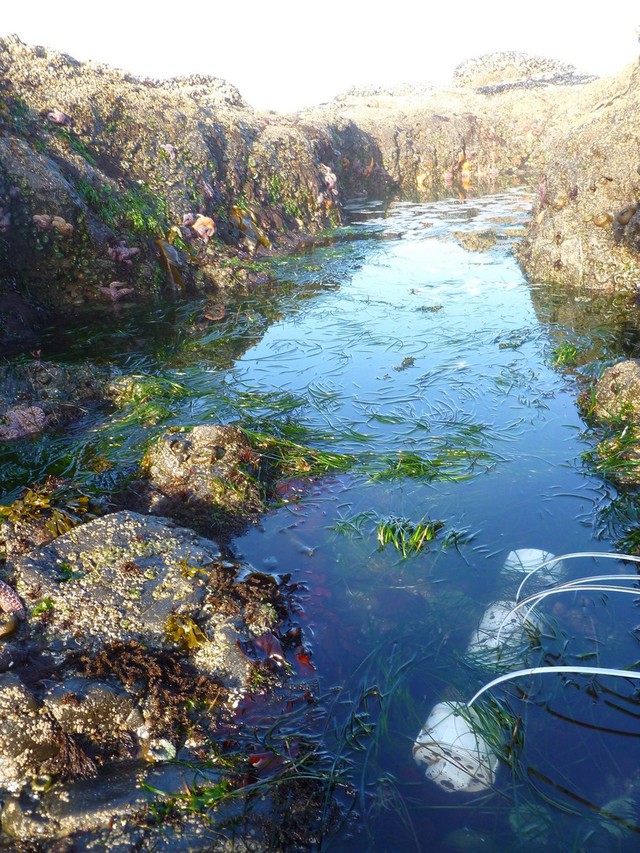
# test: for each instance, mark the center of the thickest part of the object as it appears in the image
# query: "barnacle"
(624, 216)
(561, 200)
(602, 219)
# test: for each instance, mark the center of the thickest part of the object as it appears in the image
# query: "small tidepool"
(452, 384)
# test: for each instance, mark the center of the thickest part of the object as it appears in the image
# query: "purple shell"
(10, 602)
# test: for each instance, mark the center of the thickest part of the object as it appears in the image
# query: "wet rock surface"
(612, 405)
(106, 803)
(139, 640)
(207, 474)
(39, 394)
(617, 392)
(119, 577)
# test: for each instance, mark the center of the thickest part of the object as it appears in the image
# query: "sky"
(284, 55)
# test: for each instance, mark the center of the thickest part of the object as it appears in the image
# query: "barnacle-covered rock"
(208, 471)
(495, 72)
(615, 401)
(30, 740)
(95, 709)
(617, 393)
(588, 160)
(118, 577)
(78, 193)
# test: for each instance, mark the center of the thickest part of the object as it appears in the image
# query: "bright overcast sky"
(283, 54)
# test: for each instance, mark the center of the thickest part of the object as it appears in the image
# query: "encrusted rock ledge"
(585, 229)
(139, 641)
(116, 188)
(113, 187)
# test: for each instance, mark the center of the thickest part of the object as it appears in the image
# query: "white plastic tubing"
(448, 746)
(454, 754)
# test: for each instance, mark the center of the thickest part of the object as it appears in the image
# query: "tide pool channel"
(427, 355)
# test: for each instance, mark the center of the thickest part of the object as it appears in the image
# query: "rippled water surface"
(436, 367)
(427, 348)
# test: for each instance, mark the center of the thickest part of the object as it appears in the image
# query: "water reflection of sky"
(427, 346)
(426, 339)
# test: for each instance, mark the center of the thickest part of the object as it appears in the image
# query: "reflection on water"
(433, 365)
(428, 348)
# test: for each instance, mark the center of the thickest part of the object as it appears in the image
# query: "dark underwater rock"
(38, 394)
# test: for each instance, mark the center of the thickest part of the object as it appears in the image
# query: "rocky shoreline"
(114, 187)
(142, 639)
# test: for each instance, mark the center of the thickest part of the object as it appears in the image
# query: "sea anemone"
(204, 227)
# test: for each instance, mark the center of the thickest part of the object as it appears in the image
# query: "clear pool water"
(438, 367)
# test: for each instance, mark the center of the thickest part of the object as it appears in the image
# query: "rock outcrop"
(586, 228)
(497, 72)
(114, 187)
(489, 128)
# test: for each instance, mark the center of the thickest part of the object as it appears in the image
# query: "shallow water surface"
(431, 350)
(435, 367)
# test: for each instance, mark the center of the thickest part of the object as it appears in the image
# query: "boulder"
(139, 639)
(28, 738)
(477, 241)
(617, 393)
(116, 578)
(208, 472)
